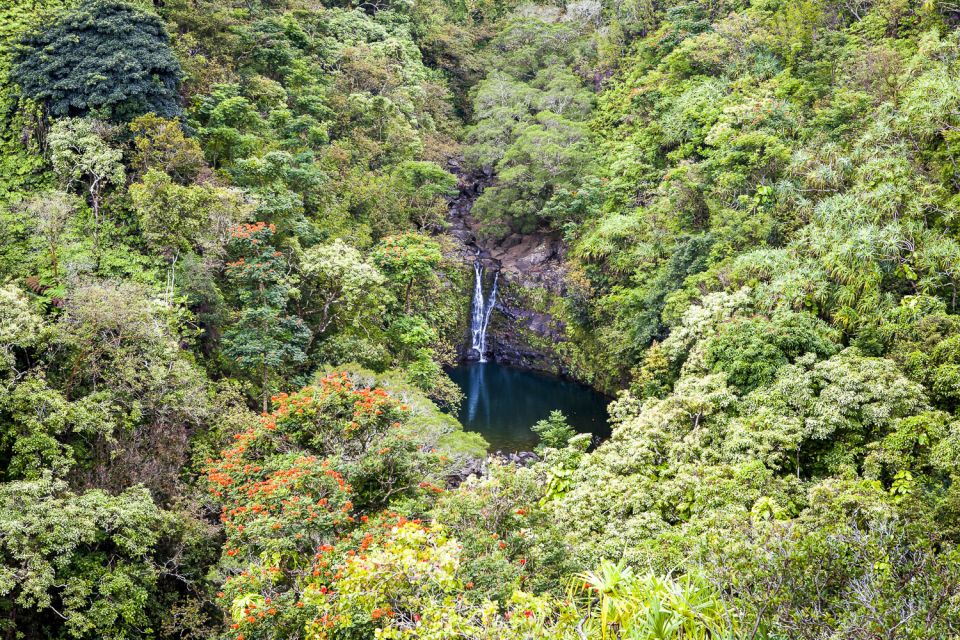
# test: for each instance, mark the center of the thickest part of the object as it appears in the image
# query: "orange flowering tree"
(362, 428)
(293, 490)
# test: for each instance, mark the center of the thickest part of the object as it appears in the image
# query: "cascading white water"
(480, 314)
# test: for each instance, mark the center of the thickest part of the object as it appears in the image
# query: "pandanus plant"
(622, 605)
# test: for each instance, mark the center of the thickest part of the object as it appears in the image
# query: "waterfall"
(480, 313)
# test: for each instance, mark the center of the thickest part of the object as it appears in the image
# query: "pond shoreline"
(502, 403)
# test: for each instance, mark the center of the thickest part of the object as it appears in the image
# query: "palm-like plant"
(627, 606)
(612, 584)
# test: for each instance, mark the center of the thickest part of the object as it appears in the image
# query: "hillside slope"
(229, 289)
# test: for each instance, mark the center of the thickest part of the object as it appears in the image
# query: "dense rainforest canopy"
(229, 294)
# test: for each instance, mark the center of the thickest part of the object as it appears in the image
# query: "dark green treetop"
(108, 59)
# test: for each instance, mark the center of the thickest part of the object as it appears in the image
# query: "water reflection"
(502, 403)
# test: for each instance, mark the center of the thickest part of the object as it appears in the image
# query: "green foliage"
(107, 59)
(554, 431)
(423, 188)
(409, 262)
(171, 216)
(345, 288)
(175, 219)
(52, 212)
(547, 155)
(406, 586)
(81, 155)
(653, 607)
(751, 350)
(83, 559)
(116, 354)
(757, 205)
(528, 124)
(160, 144)
(21, 164)
(21, 329)
(43, 430)
(264, 337)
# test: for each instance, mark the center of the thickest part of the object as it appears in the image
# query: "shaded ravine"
(526, 267)
(510, 381)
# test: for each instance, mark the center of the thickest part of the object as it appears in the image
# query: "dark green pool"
(502, 403)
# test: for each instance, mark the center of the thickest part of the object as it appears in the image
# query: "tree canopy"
(107, 59)
(239, 245)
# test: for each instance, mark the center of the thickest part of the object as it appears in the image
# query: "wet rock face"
(534, 258)
(473, 467)
(462, 225)
(523, 337)
(531, 267)
(523, 333)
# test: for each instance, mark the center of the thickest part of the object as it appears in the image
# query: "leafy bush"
(554, 431)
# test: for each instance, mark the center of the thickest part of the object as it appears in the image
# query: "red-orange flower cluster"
(246, 230)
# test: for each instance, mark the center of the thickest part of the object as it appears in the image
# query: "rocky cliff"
(523, 330)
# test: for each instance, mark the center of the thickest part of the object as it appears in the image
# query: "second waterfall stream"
(480, 314)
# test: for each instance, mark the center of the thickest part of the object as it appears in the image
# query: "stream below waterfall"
(502, 403)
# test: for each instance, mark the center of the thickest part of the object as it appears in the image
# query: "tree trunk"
(54, 262)
(95, 204)
(265, 392)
